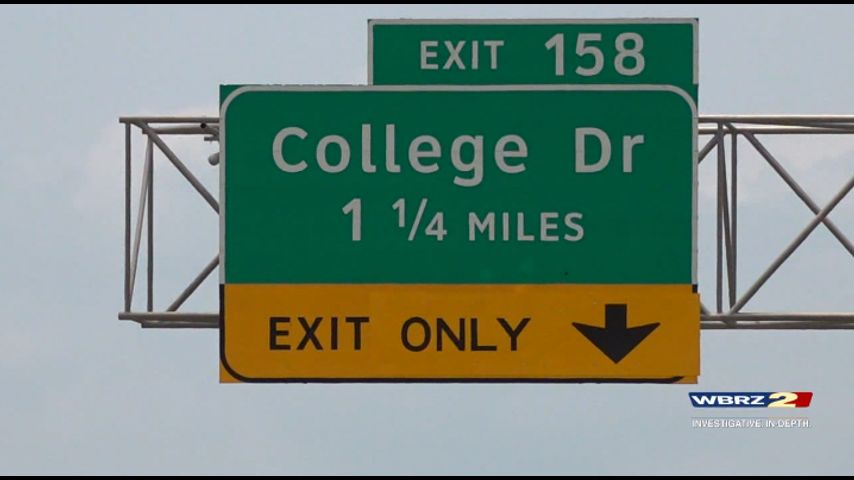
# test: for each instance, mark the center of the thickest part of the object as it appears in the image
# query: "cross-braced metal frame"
(728, 311)
(153, 130)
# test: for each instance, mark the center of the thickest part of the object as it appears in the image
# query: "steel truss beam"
(728, 313)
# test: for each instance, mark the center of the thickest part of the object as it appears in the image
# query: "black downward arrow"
(616, 340)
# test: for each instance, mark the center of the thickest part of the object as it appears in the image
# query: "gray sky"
(85, 393)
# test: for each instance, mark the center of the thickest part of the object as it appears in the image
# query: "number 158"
(628, 62)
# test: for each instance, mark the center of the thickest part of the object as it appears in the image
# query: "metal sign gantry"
(715, 131)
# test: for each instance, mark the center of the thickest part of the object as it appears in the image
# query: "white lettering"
(493, 52)
(604, 157)
(546, 226)
(321, 154)
(629, 143)
(427, 54)
(454, 55)
(416, 154)
(488, 223)
(569, 221)
(520, 229)
(501, 152)
(475, 165)
(367, 166)
(390, 166)
(279, 157)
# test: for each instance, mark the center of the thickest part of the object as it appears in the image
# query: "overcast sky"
(85, 393)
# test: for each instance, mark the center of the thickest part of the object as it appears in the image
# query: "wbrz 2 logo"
(750, 399)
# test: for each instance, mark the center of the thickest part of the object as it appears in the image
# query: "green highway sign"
(464, 233)
(549, 51)
(569, 184)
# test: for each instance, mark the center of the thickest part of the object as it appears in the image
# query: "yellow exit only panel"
(466, 333)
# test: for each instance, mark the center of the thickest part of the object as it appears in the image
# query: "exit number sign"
(658, 51)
